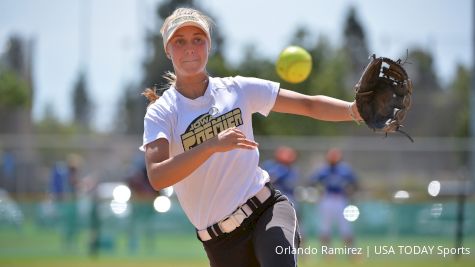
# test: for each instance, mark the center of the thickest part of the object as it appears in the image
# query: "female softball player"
(198, 137)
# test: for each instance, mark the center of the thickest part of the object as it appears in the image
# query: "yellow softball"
(294, 64)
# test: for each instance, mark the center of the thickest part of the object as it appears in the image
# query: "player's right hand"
(231, 138)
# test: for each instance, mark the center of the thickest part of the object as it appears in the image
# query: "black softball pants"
(266, 239)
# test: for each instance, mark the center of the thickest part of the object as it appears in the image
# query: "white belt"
(233, 221)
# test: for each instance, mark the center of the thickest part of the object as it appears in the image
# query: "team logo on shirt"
(206, 126)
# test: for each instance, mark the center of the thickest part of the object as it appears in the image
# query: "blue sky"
(110, 41)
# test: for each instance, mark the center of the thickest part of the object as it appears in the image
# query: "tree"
(14, 91)
(18, 59)
(131, 107)
(50, 122)
(461, 89)
(14, 102)
(15, 57)
(82, 106)
(429, 101)
(355, 45)
(16, 86)
(62, 132)
(421, 69)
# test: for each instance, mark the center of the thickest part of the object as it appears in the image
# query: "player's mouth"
(190, 60)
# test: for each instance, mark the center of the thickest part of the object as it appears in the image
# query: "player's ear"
(167, 53)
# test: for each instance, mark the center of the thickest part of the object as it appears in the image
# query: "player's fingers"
(233, 131)
(244, 146)
(246, 143)
(237, 131)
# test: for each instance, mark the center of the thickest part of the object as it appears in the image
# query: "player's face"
(188, 49)
(333, 156)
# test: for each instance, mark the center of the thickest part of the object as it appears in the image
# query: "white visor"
(182, 21)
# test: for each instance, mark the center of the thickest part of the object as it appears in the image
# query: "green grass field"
(32, 246)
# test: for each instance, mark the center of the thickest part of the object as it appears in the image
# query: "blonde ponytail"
(171, 79)
(152, 94)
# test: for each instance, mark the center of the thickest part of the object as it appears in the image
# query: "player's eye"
(180, 41)
(198, 40)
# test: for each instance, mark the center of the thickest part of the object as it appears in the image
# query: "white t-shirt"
(226, 180)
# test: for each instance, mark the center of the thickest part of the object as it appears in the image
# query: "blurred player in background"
(64, 183)
(9, 168)
(198, 137)
(282, 172)
(338, 182)
(140, 223)
(64, 178)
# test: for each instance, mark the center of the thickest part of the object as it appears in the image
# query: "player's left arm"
(318, 107)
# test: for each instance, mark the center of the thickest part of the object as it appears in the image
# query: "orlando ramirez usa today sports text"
(368, 251)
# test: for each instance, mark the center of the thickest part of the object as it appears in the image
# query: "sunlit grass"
(45, 247)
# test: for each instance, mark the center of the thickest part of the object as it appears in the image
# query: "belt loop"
(271, 188)
(256, 201)
(243, 211)
(251, 204)
(211, 232)
(218, 229)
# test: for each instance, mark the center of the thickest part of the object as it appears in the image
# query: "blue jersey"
(335, 178)
(60, 182)
(283, 177)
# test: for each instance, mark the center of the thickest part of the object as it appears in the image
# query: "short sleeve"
(156, 125)
(259, 94)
